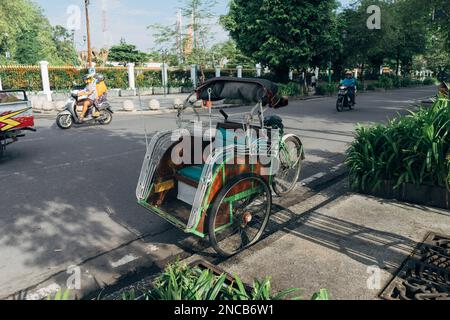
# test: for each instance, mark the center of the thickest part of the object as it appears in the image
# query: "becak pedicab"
(217, 181)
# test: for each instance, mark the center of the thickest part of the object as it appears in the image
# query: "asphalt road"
(67, 196)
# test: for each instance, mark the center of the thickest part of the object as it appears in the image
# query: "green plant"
(411, 149)
(321, 295)
(60, 295)
(326, 89)
(428, 81)
(181, 282)
(291, 89)
(373, 86)
(386, 82)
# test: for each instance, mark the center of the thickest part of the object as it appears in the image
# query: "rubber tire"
(2, 149)
(216, 205)
(110, 118)
(340, 104)
(282, 194)
(59, 124)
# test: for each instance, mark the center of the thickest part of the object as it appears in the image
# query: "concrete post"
(239, 71)
(291, 75)
(45, 80)
(258, 70)
(316, 72)
(131, 77)
(1, 85)
(194, 75)
(165, 76)
(218, 71)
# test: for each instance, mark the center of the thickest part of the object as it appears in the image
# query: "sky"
(124, 19)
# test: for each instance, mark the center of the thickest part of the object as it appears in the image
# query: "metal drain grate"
(425, 275)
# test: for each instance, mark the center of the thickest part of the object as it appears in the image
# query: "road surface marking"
(125, 260)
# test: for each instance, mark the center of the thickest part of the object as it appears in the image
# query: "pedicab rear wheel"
(291, 156)
(239, 215)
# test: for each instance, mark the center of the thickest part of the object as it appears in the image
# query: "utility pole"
(86, 5)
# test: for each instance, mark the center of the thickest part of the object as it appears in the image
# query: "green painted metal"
(242, 195)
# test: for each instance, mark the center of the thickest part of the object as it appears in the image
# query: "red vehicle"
(16, 116)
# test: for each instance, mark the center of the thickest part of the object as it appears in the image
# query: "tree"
(126, 53)
(406, 34)
(362, 47)
(227, 53)
(284, 34)
(28, 36)
(63, 40)
(191, 43)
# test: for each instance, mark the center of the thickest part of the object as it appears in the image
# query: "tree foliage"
(126, 53)
(284, 34)
(191, 43)
(412, 35)
(228, 54)
(28, 36)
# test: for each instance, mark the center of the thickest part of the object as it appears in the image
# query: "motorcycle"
(70, 116)
(344, 100)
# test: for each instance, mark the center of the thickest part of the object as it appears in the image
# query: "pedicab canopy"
(250, 90)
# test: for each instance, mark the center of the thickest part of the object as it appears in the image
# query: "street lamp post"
(330, 65)
(88, 32)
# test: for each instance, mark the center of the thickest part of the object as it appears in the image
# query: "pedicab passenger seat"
(191, 175)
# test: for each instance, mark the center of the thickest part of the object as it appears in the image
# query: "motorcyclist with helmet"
(351, 84)
(91, 92)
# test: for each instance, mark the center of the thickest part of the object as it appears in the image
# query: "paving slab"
(352, 246)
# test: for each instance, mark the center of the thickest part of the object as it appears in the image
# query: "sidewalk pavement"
(336, 241)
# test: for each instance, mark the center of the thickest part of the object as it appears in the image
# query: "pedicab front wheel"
(239, 215)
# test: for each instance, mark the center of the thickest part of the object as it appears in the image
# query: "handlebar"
(224, 114)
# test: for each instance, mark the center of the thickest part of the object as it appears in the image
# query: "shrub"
(397, 82)
(428, 81)
(64, 79)
(148, 79)
(326, 89)
(291, 89)
(411, 149)
(373, 86)
(406, 82)
(386, 82)
(26, 78)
